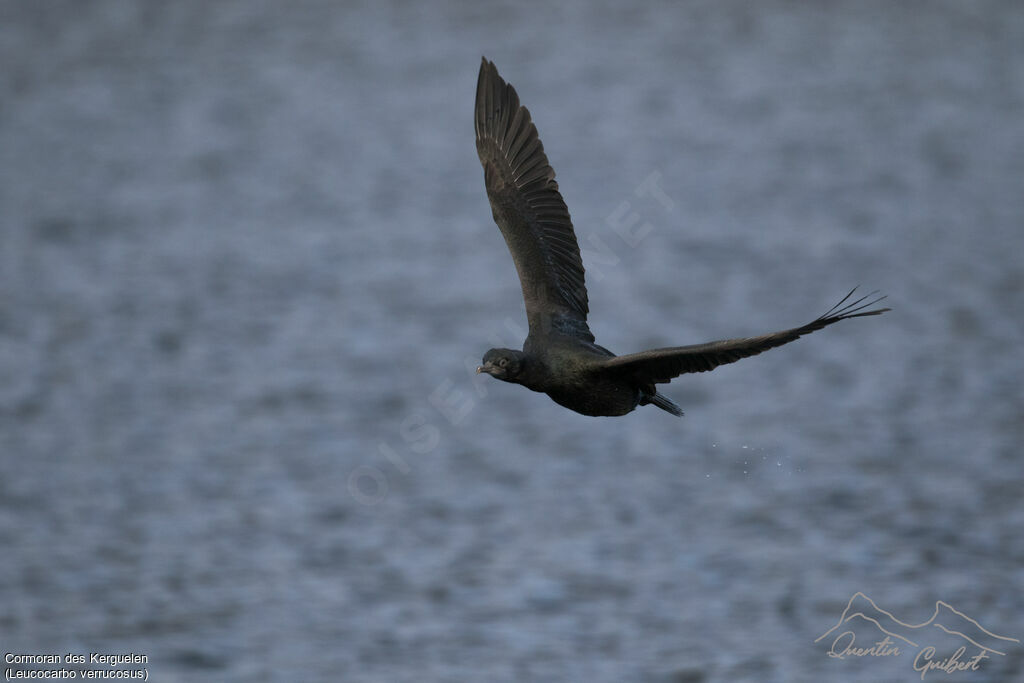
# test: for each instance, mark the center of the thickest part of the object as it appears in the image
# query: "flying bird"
(560, 357)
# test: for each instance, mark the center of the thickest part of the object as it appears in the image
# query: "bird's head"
(503, 364)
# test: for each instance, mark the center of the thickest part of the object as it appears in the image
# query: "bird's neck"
(534, 374)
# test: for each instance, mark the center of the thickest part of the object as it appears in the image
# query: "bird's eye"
(502, 362)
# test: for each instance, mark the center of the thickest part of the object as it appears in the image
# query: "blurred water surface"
(246, 259)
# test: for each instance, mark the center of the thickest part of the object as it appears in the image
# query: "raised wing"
(662, 365)
(529, 210)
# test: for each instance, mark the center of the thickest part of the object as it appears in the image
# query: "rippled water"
(246, 259)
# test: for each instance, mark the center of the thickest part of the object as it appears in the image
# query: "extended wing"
(662, 365)
(529, 210)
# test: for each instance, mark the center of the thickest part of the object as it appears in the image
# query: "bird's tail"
(665, 404)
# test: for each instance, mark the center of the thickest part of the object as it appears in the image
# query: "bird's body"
(560, 356)
(571, 372)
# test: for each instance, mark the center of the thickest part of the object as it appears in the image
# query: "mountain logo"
(949, 641)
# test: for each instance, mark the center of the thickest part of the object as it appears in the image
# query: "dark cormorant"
(559, 356)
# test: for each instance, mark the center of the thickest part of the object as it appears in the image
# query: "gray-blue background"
(242, 245)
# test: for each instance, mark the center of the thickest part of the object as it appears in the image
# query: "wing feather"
(662, 365)
(529, 209)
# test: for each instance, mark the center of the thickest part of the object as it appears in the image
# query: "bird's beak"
(486, 367)
(479, 369)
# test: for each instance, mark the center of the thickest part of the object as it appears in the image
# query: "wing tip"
(490, 92)
(855, 308)
(489, 73)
